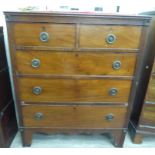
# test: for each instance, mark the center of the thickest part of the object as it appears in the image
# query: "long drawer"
(151, 90)
(74, 116)
(148, 115)
(73, 90)
(75, 63)
(92, 36)
(54, 35)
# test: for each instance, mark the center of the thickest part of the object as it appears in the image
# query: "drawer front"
(73, 90)
(92, 36)
(148, 115)
(54, 35)
(75, 63)
(150, 96)
(74, 116)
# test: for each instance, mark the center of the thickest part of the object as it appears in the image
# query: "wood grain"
(148, 115)
(75, 63)
(150, 96)
(73, 90)
(75, 32)
(60, 35)
(76, 17)
(93, 36)
(74, 116)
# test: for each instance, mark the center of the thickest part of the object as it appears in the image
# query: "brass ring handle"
(44, 36)
(35, 63)
(113, 92)
(38, 116)
(37, 90)
(116, 65)
(109, 117)
(111, 38)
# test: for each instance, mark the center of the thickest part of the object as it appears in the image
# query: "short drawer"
(73, 90)
(75, 63)
(74, 116)
(148, 115)
(54, 35)
(93, 36)
(150, 96)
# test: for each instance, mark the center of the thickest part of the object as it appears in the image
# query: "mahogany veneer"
(75, 73)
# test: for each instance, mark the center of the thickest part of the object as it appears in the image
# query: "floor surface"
(79, 141)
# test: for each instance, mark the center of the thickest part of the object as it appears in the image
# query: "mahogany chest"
(8, 125)
(143, 115)
(75, 73)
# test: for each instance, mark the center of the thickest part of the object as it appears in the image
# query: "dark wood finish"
(8, 124)
(5, 94)
(142, 119)
(70, 17)
(75, 72)
(67, 63)
(3, 61)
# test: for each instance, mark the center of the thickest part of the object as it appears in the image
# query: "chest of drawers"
(142, 121)
(75, 73)
(8, 125)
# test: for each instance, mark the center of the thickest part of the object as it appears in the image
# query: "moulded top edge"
(76, 14)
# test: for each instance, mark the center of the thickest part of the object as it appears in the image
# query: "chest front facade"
(75, 72)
